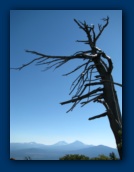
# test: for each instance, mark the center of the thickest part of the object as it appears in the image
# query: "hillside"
(53, 152)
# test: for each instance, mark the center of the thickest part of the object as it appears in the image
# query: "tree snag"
(95, 61)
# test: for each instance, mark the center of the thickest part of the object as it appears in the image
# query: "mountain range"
(37, 151)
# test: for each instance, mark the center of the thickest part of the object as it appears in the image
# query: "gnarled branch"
(101, 83)
(98, 116)
(82, 97)
(101, 28)
(93, 99)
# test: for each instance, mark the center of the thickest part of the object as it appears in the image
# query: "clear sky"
(35, 96)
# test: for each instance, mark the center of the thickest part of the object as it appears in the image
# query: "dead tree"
(94, 61)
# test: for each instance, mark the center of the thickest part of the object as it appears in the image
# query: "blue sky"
(35, 96)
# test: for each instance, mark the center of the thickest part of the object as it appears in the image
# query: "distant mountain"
(77, 143)
(53, 152)
(15, 146)
(76, 146)
(94, 151)
(61, 143)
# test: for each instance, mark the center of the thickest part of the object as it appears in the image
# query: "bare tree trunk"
(114, 115)
(111, 103)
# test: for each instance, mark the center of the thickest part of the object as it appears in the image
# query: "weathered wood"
(98, 116)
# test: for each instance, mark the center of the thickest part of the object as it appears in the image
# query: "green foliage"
(112, 156)
(100, 157)
(74, 157)
(83, 157)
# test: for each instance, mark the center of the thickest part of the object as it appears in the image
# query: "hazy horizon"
(63, 141)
